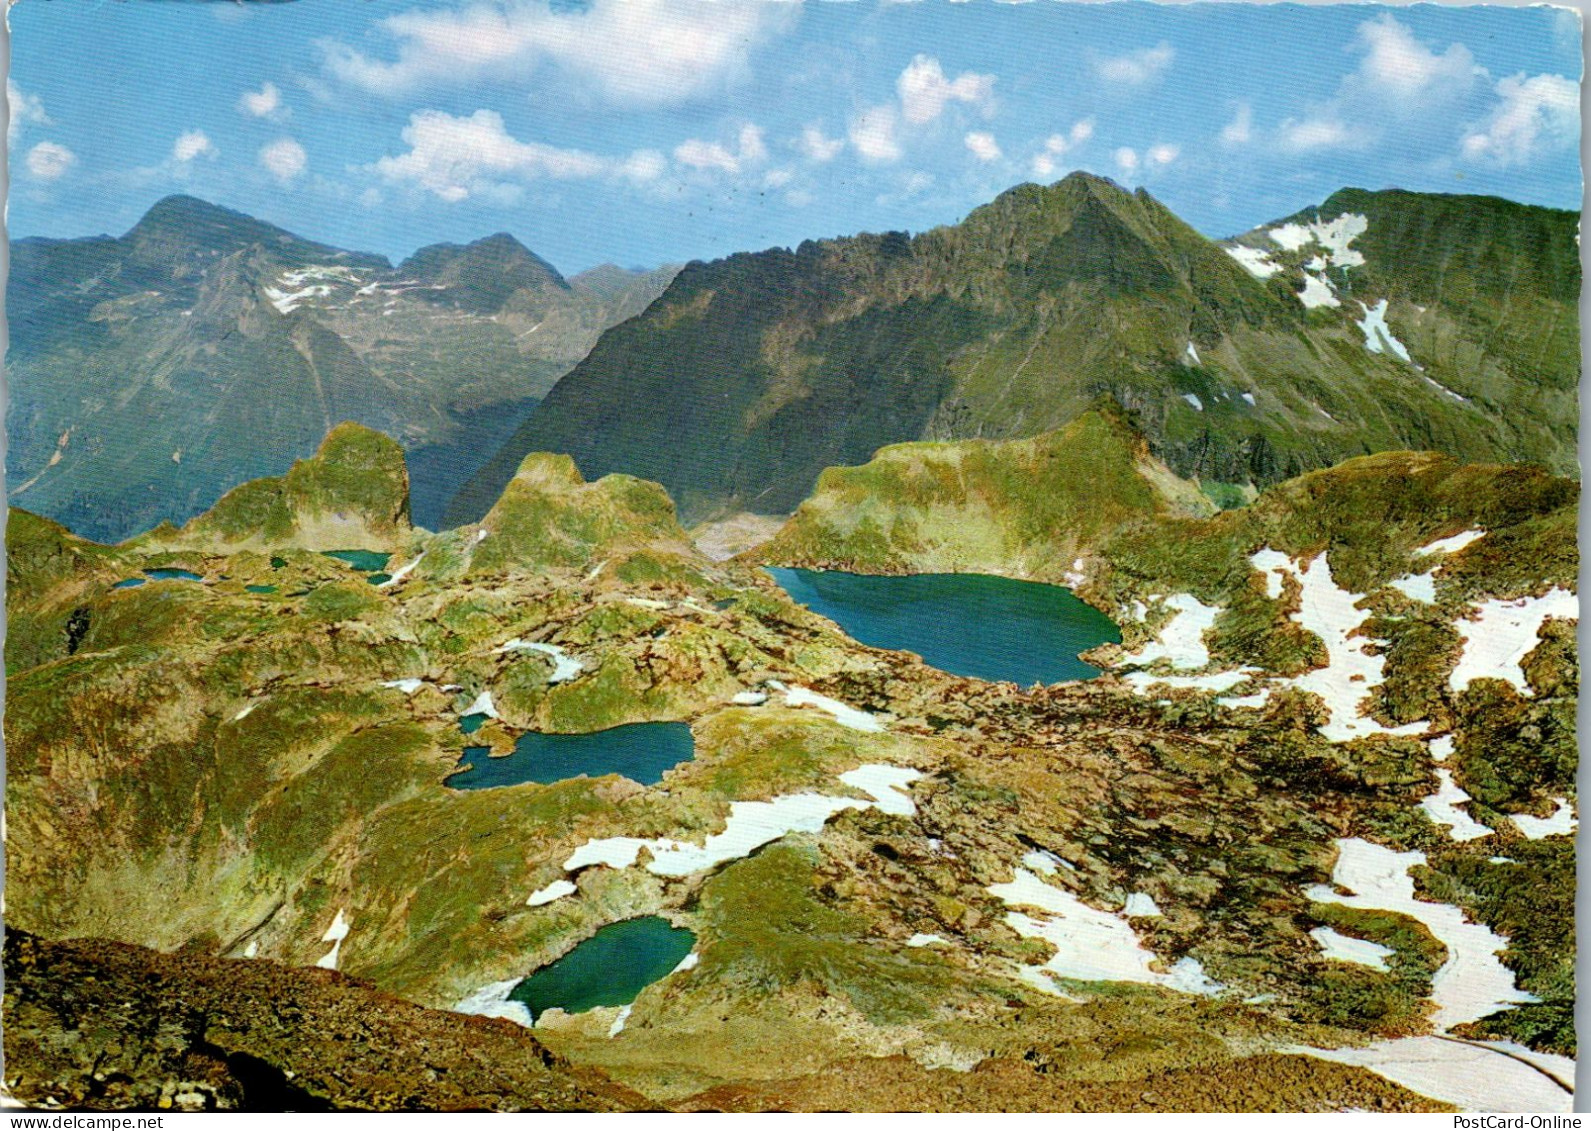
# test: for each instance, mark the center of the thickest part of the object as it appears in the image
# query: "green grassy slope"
(1022, 508)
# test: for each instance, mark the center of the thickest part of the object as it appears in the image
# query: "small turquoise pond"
(469, 724)
(642, 752)
(610, 968)
(173, 575)
(159, 575)
(260, 588)
(966, 624)
(379, 578)
(365, 561)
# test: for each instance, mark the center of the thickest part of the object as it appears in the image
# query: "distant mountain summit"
(753, 373)
(152, 372)
(482, 276)
(179, 229)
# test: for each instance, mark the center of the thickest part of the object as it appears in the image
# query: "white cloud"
(873, 134)
(641, 166)
(925, 91)
(49, 161)
(1240, 129)
(1401, 87)
(284, 159)
(263, 103)
(1318, 133)
(1136, 67)
(1127, 160)
(643, 52)
(191, 144)
(1402, 67)
(818, 147)
(1162, 154)
(706, 155)
(1058, 145)
(983, 146)
(25, 109)
(711, 156)
(456, 158)
(1533, 115)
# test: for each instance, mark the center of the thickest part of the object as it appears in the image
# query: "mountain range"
(1377, 321)
(151, 372)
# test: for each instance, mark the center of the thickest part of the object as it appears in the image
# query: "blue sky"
(648, 131)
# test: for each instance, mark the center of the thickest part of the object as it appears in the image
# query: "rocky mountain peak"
(179, 231)
(483, 275)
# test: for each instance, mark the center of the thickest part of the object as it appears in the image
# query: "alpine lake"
(609, 968)
(642, 752)
(967, 624)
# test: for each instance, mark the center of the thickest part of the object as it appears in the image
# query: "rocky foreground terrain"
(1317, 808)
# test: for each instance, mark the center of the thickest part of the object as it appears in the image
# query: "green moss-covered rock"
(549, 517)
(1022, 508)
(353, 493)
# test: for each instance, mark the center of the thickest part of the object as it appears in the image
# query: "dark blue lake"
(609, 968)
(366, 561)
(162, 574)
(966, 624)
(642, 752)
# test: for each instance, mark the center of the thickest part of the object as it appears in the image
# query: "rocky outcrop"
(106, 1026)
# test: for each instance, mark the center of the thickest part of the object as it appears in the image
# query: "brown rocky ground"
(104, 1026)
(1258, 1083)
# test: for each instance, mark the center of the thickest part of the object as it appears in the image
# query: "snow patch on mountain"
(1182, 640)
(1344, 948)
(1254, 261)
(1090, 945)
(1472, 981)
(1379, 337)
(1503, 633)
(752, 824)
(1442, 808)
(1317, 292)
(1560, 823)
